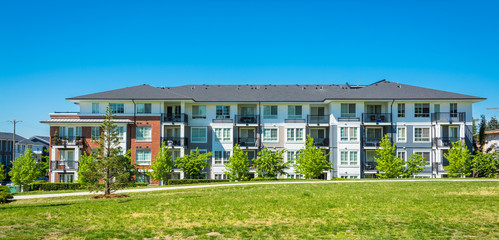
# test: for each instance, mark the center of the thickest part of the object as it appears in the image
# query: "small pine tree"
(481, 135)
(270, 164)
(459, 160)
(193, 164)
(238, 166)
(25, 169)
(162, 166)
(311, 161)
(414, 165)
(485, 164)
(493, 124)
(388, 164)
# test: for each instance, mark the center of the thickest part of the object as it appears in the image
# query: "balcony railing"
(370, 166)
(321, 142)
(246, 142)
(317, 119)
(247, 119)
(376, 117)
(448, 117)
(71, 141)
(295, 119)
(175, 141)
(223, 119)
(348, 117)
(371, 141)
(446, 141)
(64, 165)
(175, 118)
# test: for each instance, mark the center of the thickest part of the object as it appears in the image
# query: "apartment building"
(346, 121)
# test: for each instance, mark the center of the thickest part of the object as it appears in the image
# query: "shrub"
(5, 195)
(258, 179)
(193, 181)
(45, 186)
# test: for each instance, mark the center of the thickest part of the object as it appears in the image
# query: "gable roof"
(8, 136)
(277, 93)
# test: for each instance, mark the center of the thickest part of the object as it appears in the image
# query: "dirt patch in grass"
(109, 196)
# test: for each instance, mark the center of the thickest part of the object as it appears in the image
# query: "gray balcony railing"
(176, 141)
(321, 142)
(247, 119)
(246, 142)
(317, 119)
(175, 118)
(223, 119)
(70, 141)
(448, 117)
(371, 141)
(376, 117)
(370, 166)
(446, 141)
(64, 165)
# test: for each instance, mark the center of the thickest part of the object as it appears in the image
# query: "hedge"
(264, 179)
(5, 195)
(193, 181)
(72, 186)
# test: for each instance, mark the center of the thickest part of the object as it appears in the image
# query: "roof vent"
(399, 86)
(257, 87)
(192, 88)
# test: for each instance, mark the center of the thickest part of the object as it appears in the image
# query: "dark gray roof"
(27, 142)
(40, 139)
(277, 93)
(8, 136)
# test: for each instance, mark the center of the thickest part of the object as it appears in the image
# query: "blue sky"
(51, 50)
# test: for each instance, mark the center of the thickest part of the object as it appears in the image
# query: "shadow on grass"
(7, 206)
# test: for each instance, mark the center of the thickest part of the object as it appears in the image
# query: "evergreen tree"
(311, 161)
(2, 172)
(193, 164)
(388, 164)
(162, 166)
(25, 169)
(459, 160)
(238, 166)
(485, 164)
(414, 165)
(493, 124)
(481, 135)
(269, 164)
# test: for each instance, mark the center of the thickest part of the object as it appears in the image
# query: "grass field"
(373, 210)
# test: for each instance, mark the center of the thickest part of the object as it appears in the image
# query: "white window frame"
(145, 137)
(221, 157)
(205, 138)
(95, 108)
(293, 108)
(405, 134)
(421, 114)
(142, 162)
(225, 134)
(199, 111)
(428, 163)
(142, 107)
(92, 131)
(349, 138)
(223, 108)
(348, 114)
(121, 133)
(348, 161)
(270, 128)
(291, 156)
(294, 137)
(116, 107)
(271, 116)
(402, 152)
(401, 108)
(429, 135)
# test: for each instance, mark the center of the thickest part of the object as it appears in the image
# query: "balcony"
(318, 119)
(445, 141)
(63, 165)
(295, 119)
(321, 142)
(247, 119)
(246, 142)
(448, 117)
(370, 166)
(175, 118)
(175, 141)
(348, 117)
(67, 141)
(376, 117)
(371, 141)
(223, 119)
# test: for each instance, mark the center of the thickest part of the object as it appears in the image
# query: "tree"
(485, 164)
(162, 166)
(459, 160)
(311, 161)
(192, 164)
(388, 164)
(86, 165)
(269, 164)
(2, 172)
(238, 166)
(480, 145)
(25, 169)
(493, 124)
(107, 165)
(414, 165)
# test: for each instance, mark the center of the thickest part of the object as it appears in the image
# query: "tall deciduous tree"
(108, 165)
(459, 160)
(192, 164)
(414, 165)
(388, 164)
(485, 164)
(311, 161)
(269, 164)
(162, 166)
(25, 169)
(238, 166)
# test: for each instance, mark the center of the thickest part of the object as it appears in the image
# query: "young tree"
(86, 165)
(162, 166)
(485, 164)
(388, 164)
(238, 166)
(493, 124)
(269, 164)
(311, 161)
(480, 145)
(459, 160)
(414, 165)
(192, 164)
(25, 169)
(107, 165)
(2, 172)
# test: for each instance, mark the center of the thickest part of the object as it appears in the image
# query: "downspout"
(134, 112)
(391, 120)
(259, 127)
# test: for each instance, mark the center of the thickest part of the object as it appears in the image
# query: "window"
(354, 177)
(270, 135)
(401, 110)
(66, 155)
(402, 155)
(143, 157)
(117, 107)
(223, 134)
(220, 176)
(295, 134)
(143, 134)
(198, 112)
(198, 134)
(349, 134)
(401, 134)
(121, 133)
(143, 108)
(425, 155)
(348, 110)
(291, 155)
(421, 134)
(294, 112)
(453, 110)
(142, 178)
(95, 108)
(270, 112)
(223, 112)
(349, 158)
(95, 132)
(422, 110)
(221, 157)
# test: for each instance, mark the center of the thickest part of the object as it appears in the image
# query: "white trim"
(263, 134)
(414, 135)
(397, 134)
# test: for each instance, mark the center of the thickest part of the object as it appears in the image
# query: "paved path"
(246, 183)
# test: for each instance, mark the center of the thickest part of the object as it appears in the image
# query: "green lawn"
(407, 210)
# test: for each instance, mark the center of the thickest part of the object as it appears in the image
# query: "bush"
(258, 179)
(54, 186)
(193, 181)
(5, 195)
